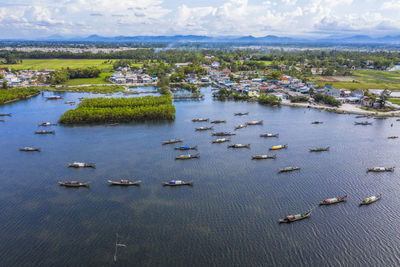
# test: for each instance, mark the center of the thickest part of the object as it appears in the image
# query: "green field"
(395, 101)
(55, 64)
(100, 80)
(363, 79)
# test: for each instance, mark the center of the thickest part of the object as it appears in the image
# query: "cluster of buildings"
(24, 77)
(126, 76)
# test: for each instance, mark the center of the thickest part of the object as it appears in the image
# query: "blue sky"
(41, 18)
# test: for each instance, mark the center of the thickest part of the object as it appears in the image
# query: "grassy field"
(107, 89)
(55, 64)
(100, 80)
(394, 101)
(363, 79)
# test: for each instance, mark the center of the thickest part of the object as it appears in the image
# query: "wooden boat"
(82, 165)
(334, 200)
(221, 140)
(264, 157)
(204, 128)
(70, 102)
(1, 120)
(5, 114)
(200, 120)
(219, 121)
(297, 217)
(223, 134)
(45, 132)
(254, 122)
(289, 169)
(369, 200)
(380, 118)
(29, 149)
(186, 148)
(195, 156)
(124, 182)
(380, 169)
(73, 184)
(269, 135)
(172, 141)
(317, 122)
(241, 114)
(240, 126)
(177, 183)
(319, 149)
(362, 123)
(239, 146)
(361, 116)
(278, 147)
(112, 124)
(397, 119)
(56, 97)
(47, 124)
(393, 137)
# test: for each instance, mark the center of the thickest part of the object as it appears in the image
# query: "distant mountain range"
(269, 39)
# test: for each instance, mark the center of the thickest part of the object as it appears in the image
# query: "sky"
(30, 19)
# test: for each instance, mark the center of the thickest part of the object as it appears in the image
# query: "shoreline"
(19, 99)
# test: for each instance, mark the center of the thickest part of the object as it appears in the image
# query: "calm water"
(228, 218)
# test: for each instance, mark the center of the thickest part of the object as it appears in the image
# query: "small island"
(105, 110)
(8, 96)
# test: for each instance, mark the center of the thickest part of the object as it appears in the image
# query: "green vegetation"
(57, 64)
(102, 79)
(106, 89)
(394, 101)
(100, 110)
(11, 95)
(297, 99)
(328, 100)
(269, 100)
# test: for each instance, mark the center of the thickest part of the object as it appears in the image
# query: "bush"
(329, 100)
(269, 100)
(297, 99)
(16, 94)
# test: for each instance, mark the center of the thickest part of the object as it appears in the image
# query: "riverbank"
(18, 94)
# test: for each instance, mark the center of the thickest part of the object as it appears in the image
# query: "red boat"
(56, 97)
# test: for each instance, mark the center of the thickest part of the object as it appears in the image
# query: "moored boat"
(317, 122)
(393, 137)
(278, 147)
(47, 124)
(264, 156)
(380, 118)
(269, 135)
(30, 149)
(70, 102)
(189, 156)
(370, 200)
(56, 97)
(112, 124)
(362, 123)
(223, 134)
(380, 169)
(239, 146)
(289, 169)
(218, 121)
(186, 148)
(240, 126)
(172, 141)
(254, 122)
(177, 183)
(82, 165)
(319, 149)
(5, 114)
(241, 114)
(204, 128)
(125, 182)
(221, 140)
(297, 217)
(334, 200)
(200, 120)
(45, 132)
(361, 116)
(73, 184)
(1, 120)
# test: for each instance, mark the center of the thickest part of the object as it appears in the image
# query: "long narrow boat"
(380, 169)
(241, 114)
(177, 183)
(124, 182)
(112, 124)
(317, 122)
(45, 132)
(172, 141)
(82, 165)
(221, 140)
(204, 128)
(361, 116)
(218, 121)
(1, 120)
(73, 184)
(223, 134)
(29, 149)
(200, 120)
(334, 200)
(240, 126)
(289, 169)
(186, 148)
(369, 200)
(278, 147)
(297, 217)
(239, 146)
(5, 114)
(195, 156)
(269, 135)
(319, 149)
(393, 137)
(70, 102)
(254, 122)
(362, 123)
(47, 124)
(264, 157)
(380, 118)
(54, 97)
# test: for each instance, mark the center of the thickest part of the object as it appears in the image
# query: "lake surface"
(230, 215)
